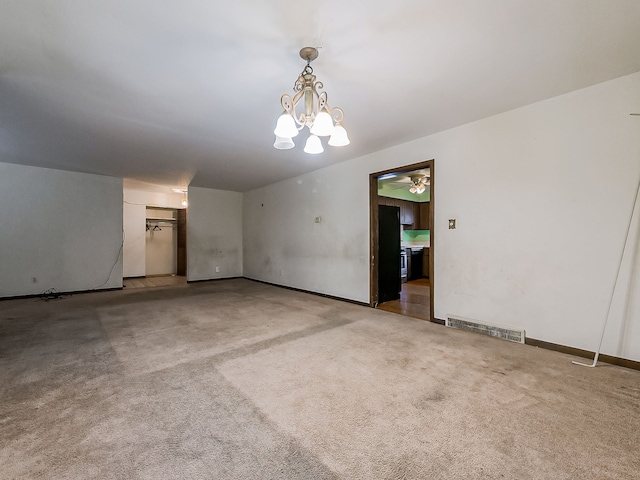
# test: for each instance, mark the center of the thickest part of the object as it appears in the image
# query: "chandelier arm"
(317, 89)
(287, 103)
(296, 98)
(300, 119)
(337, 114)
(322, 101)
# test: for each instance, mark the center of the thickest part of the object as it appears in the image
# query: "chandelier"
(318, 116)
(419, 184)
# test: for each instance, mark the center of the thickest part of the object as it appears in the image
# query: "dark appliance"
(389, 286)
(416, 264)
(403, 265)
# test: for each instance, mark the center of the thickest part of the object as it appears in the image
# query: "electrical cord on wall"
(114, 263)
(54, 294)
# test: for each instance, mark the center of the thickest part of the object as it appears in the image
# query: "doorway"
(165, 242)
(154, 224)
(418, 292)
(159, 251)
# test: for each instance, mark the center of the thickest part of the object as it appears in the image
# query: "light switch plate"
(452, 223)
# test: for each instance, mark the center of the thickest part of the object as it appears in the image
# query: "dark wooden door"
(182, 243)
(389, 281)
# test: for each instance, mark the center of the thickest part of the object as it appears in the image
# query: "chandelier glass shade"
(317, 115)
(283, 143)
(313, 145)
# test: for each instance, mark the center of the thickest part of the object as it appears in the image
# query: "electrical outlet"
(452, 223)
(318, 219)
(217, 268)
(34, 279)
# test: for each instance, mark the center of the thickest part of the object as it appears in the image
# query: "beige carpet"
(239, 380)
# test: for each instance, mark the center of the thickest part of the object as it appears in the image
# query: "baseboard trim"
(578, 352)
(61, 294)
(213, 279)
(341, 299)
(556, 347)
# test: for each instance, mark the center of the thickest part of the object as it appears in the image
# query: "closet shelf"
(160, 219)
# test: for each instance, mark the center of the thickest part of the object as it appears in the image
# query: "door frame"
(374, 234)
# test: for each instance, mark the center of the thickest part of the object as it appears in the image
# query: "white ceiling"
(178, 93)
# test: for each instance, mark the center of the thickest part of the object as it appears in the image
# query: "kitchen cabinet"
(406, 212)
(425, 262)
(424, 222)
(409, 211)
(413, 215)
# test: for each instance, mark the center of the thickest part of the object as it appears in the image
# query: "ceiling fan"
(419, 184)
(415, 182)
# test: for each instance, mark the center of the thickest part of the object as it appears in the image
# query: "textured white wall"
(542, 195)
(284, 245)
(214, 234)
(133, 262)
(63, 228)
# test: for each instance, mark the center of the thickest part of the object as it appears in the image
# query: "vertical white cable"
(613, 290)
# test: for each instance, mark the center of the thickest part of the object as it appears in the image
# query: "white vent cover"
(499, 331)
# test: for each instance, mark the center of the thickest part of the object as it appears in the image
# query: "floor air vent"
(506, 333)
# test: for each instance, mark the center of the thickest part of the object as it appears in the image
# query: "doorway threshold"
(413, 302)
(154, 281)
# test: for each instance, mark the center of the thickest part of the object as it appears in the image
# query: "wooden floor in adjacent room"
(154, 281)
(413, 302)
